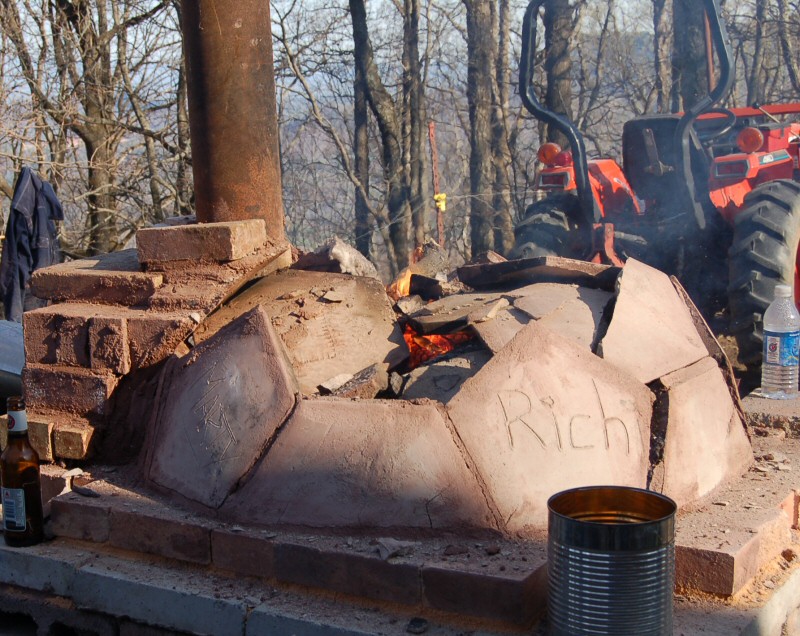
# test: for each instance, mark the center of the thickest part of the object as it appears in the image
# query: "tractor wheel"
(550, 228)
(764, 254)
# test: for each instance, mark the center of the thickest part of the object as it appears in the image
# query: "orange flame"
(426, 347)
(401, 286)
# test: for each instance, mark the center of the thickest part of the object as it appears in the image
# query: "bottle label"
(14, 510)
(782, 348)
(17, 421)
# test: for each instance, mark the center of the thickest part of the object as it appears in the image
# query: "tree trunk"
(503, 223)
(183, 186)
(662, 41)
(757, 76)
(480, 64)
(417, 170)
(689, 67)
(361, 160)
(390, 127)
(558, 31)
(787, 39)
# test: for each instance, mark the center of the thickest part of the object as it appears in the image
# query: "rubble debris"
(332, 384)
(366, 384)
(434, 288)
(337, 257)
(545, 269)
(409, 304)
(450, 313)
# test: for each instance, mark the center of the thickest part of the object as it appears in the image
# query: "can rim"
(663, 504)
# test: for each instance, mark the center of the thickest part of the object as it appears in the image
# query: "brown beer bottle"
(23, 522)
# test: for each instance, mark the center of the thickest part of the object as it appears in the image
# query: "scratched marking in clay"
(214, 425)
(538, 418)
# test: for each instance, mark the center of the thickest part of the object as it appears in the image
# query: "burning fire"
(401, 286)
(423, 348)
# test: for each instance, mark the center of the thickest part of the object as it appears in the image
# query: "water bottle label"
(782, 349)
(14, 510)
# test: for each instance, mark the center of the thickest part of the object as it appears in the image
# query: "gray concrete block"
(166, 600)
(38, 568)
(264, 621)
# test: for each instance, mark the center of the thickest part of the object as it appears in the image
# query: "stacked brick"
(120, 313)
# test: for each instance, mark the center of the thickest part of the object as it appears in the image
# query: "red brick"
(39, 434)
(727, 570)
(72, 440)
(53, 337)
(77, 517)
(68, 389)
(111, 278)
(247, 554)
(170, 538)
(517, 599)
(108, 344)
(152, 337)
(221, 242)
(351, 574)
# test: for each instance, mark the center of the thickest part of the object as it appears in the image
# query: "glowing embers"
(426, 347)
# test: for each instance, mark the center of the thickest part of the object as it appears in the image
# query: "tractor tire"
(550, 228)
(763, 254)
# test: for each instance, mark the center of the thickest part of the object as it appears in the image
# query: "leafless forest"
(94, 98)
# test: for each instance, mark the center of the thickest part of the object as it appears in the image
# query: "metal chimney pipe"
(232, 111)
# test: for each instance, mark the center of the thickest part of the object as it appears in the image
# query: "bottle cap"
(783, 291)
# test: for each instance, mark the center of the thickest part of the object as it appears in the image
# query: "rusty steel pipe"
(232, 111)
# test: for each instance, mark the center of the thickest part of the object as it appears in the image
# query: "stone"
(706, 442)
(322, 339)
(544, 403)
(220, 242)
(113, 278)
(651, 332)
(368, 463)
(68, 389)
(226, 400)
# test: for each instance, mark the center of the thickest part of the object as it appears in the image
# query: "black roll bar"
(586, 199)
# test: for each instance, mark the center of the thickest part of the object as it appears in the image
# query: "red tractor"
(710, 195)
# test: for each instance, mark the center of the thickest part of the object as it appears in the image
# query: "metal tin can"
(611, 561)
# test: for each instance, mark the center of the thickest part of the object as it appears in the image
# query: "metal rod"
(232, 111)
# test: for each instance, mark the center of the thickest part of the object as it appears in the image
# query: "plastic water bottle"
(779, 369)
